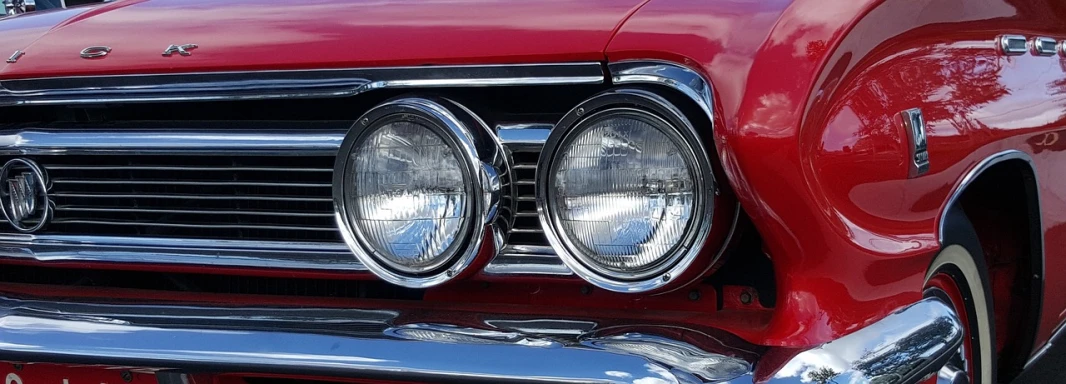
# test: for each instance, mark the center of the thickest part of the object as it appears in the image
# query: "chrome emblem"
(24, 195)
(94, 52)
(15, 56)
(914, 124)
(179, 49)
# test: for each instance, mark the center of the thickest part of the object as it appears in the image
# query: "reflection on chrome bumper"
(457, 346)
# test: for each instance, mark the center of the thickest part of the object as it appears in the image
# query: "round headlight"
(412, 194)
(623, 192)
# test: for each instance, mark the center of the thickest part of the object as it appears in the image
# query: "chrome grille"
(527, 230)
(268, 198)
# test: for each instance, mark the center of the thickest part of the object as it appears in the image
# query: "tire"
(959, 276)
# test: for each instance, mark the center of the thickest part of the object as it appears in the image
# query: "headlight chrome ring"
(431, 180)
(650, 111)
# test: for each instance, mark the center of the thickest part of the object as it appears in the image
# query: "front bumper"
(444, 345)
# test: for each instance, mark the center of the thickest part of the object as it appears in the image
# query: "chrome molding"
(527, 260)
(279, 142)
(284, 84)
(481, 156)
(670, 75)
(168, 251)
(433, 346)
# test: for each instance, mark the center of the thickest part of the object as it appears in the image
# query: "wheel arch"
(969, 184)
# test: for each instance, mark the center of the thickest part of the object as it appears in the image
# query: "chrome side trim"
(988, 162)
(284, 84)
(437, 345)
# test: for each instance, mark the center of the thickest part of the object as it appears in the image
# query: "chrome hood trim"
(258, 85)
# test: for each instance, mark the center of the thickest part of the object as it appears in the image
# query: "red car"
(571, 191)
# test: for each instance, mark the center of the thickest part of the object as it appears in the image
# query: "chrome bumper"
(444, 345)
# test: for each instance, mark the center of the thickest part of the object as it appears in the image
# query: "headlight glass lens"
(623, 193)
(408, 196)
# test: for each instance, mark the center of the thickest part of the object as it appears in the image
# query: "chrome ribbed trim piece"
(257, 85)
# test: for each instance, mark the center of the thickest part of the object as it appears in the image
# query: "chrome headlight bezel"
(654, 107)
(481, 158)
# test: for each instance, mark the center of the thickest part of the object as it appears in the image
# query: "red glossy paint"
(807, 95)
(275, 34)
(807, 98)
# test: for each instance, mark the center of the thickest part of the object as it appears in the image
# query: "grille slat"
(527, 233)
(183, 168)
(189, 211)
(194, 183)
(195, 225)
(233, 196)
(192, 197)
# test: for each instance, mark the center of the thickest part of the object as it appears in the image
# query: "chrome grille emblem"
(24, 195)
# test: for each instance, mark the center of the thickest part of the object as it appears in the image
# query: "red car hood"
(274, 34)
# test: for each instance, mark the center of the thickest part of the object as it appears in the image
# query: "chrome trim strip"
(681, 79)
(284, 84)
(156, 142)
(524, 135)
(419, 345)
(527, 260)
(149, 250)
(973, 173)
